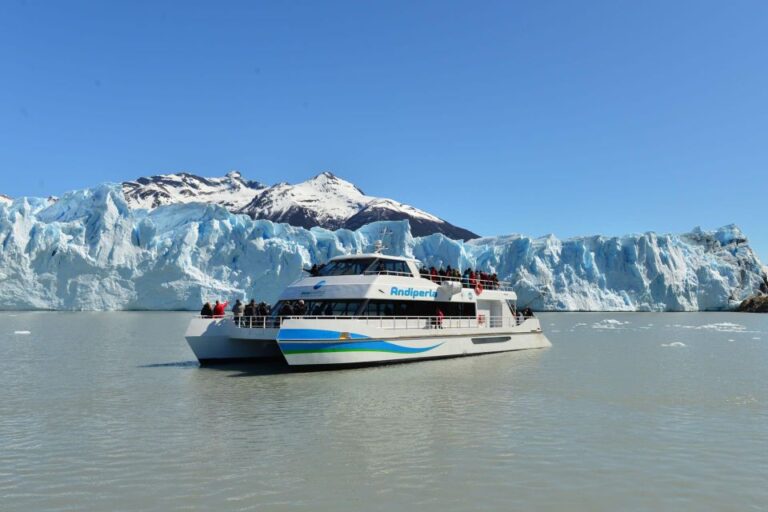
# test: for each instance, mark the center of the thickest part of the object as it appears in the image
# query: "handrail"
(385, 322)
(466, 282)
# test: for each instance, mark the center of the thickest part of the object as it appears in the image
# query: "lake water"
(632, 412)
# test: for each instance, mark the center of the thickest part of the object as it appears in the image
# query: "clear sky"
(533, 117)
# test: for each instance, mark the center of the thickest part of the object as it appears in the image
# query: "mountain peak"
(324, 200)
(328, 182)
(230, 191)
(325, 175)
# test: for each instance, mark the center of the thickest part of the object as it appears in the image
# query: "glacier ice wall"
(89, 251)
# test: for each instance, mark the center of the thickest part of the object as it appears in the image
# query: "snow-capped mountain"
(90, 251)
(422, 223)
(4, 199)
(230, 191)
(324, 201)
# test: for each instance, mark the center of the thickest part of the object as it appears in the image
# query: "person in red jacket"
(440, 318)
(219, 309)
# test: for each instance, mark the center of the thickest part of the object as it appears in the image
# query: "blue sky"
(532, 117)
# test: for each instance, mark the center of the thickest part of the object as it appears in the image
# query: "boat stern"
(220, 340)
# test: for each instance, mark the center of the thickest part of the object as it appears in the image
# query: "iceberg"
(90, 251)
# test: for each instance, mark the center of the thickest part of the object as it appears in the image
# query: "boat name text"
(410, 292)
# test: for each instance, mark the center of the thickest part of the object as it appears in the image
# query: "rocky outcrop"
(755, 304)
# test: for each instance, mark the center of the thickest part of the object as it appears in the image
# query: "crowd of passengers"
(469, 279)
(245, 313)
(252, 309)
(219, 309)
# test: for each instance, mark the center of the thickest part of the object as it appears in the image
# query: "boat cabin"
(376, 285)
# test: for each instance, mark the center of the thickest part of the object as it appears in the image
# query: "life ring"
(478, 288)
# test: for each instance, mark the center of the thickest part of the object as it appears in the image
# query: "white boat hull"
(312, 343)
(220, 339)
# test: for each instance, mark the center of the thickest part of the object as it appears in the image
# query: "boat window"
(349, 267)
(333, 307)
(394, 267)
(324, 307)
(417, 308)
(376, 307)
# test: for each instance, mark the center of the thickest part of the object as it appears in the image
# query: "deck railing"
(486, 284)
(465, 281)
(387, 322)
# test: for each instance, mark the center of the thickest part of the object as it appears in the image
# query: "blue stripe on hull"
(351, 346)
(317, 334)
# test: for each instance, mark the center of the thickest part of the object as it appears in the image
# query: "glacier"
(90, 251)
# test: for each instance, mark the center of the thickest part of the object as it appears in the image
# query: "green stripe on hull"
(327, 350)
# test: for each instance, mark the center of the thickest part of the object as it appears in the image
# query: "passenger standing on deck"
(300, 309)
(262, 311)
(249, 312)
(219, 309)
(207, 311)
(250, 308)
(237, 311)
(440, 317)
(286, 309)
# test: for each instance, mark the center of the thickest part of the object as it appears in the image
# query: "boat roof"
(372, 255)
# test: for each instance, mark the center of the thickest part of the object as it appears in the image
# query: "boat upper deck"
(382, 265)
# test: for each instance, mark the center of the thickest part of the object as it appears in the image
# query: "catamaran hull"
(309, 343)
(220, 340)
(308, 347)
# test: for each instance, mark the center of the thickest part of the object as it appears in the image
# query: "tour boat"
(370, 309)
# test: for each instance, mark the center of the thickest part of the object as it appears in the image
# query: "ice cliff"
(90, 251)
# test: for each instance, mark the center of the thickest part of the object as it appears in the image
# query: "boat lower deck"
(329, 342)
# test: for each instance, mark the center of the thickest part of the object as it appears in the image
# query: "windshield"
(351, 267)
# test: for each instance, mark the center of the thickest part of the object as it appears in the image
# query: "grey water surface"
(642, 411)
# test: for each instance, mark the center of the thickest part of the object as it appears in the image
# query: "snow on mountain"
(4, 199)
(331, 202)
(326, 201)
(230, 191)
(422, 223)
(91, 251)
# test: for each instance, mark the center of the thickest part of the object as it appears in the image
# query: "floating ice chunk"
(674, 344)
(756, 338)
(21, 332)
(720, 327)
(731, 340)
(609, 323)
(724, 326)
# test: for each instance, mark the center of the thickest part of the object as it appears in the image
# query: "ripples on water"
(109, 411)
